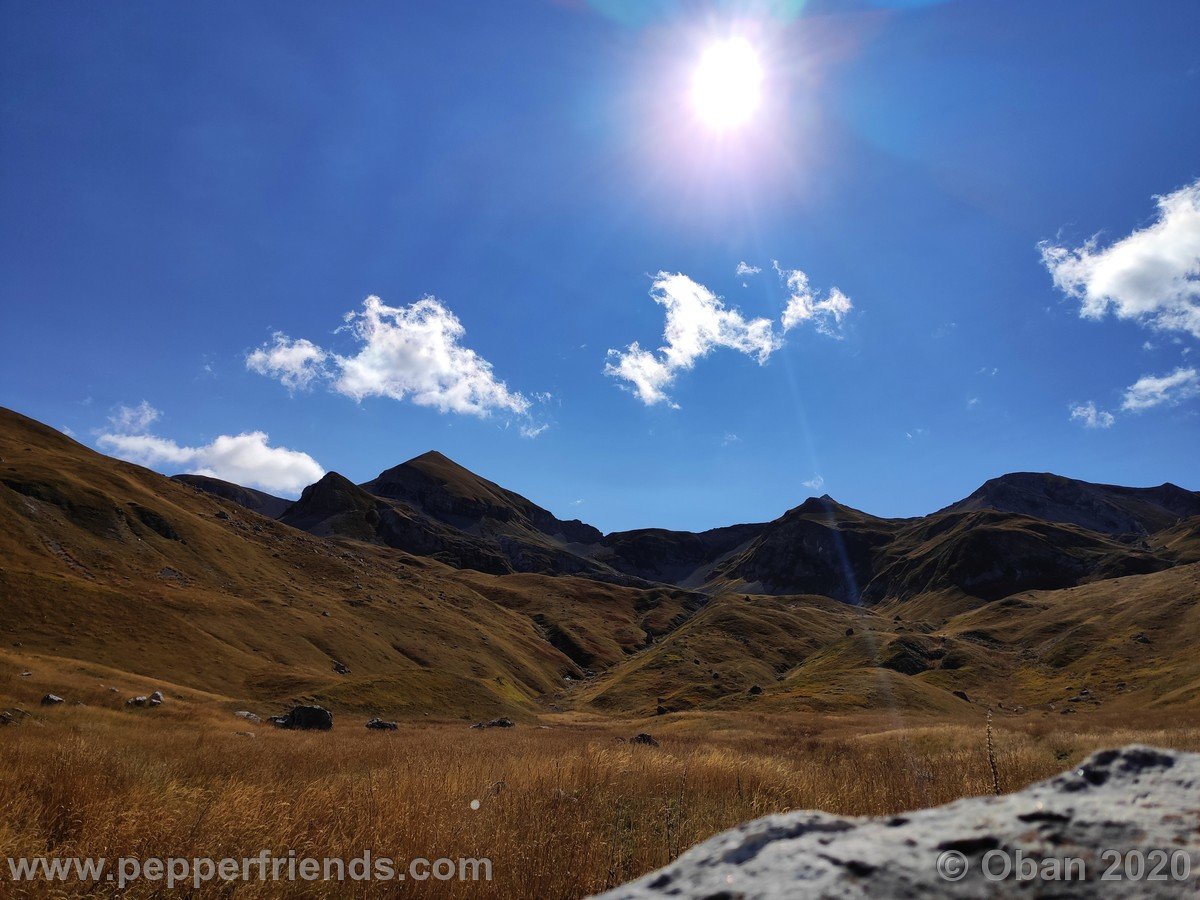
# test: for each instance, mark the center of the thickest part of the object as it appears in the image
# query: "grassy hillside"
(112, 564)
(116, 575)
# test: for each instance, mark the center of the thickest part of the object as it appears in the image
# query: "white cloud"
(131, 419)
(246, 459)
(1151, 276)
(744, 270)
(972, 402)
(1092, 417)
(697, 322)
(730, 438)
(529, 430)
(296, 364)
(804, 305)
(405, 353)
(1154, 390)
(815, 483)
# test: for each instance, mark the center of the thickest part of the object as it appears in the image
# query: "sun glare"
(727, 83)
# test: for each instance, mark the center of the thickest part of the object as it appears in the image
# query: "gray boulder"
(1137, 800)
(377, 724)
(51, 700)
(305, 718)
(495, 723)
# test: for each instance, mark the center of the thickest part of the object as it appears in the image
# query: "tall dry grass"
(564, 811)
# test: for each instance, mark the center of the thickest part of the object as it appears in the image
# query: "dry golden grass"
(565, 810)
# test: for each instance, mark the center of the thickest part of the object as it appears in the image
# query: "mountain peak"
(430, 456)
(1106, 508)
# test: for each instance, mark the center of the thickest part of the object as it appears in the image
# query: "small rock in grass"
(495, 723)
(51, 700)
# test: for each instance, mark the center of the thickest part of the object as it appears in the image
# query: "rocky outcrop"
(1140, 803)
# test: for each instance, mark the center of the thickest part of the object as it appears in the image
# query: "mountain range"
(1018, 532)
(430, 590)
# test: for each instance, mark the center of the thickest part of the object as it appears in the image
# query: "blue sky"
(181, 182)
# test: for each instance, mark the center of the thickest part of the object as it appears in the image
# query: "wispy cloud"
(697, 322)
(1091, 417)
(730, 438)
(246, 459)
(744, 270)
(1155, 390)
(132, 419)
(1151, 276)
(412, 353)
(815, 483)
(529, 430)
(805, 305)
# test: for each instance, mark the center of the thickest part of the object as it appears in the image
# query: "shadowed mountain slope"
(257, 501)
(336, 507)
(1105, 508)
(443, 489)
(501, 530)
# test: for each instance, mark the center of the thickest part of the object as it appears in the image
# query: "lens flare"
(727, 84)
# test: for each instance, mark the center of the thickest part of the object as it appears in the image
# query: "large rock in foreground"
(1142, 803)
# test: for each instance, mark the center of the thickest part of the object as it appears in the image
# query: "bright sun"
(727, 83)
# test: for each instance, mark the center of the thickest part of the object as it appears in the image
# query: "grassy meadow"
(566, 808)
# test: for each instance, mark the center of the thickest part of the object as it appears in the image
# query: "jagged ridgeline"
(437, 591)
